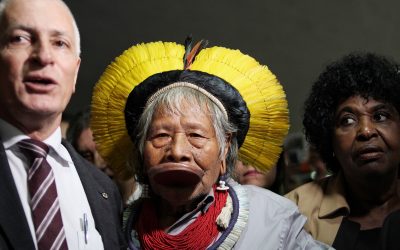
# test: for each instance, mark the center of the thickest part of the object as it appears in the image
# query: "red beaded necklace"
(198, 235)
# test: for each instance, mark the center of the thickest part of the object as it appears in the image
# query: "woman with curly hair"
(352, 118)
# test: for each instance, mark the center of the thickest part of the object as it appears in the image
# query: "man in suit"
(39, 62)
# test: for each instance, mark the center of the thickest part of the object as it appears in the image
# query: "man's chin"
(179, 196)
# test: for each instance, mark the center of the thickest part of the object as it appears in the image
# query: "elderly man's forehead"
(182, 106)
(7, 6)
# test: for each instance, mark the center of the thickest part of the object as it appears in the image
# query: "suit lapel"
(13, 225)
(95, 193)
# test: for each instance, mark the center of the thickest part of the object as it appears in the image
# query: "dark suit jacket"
(14, 229)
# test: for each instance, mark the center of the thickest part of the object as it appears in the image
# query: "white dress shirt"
(72, 198)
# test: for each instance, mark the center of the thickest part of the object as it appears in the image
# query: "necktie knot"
(33, 148)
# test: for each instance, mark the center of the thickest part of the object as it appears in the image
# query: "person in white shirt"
(39, 63)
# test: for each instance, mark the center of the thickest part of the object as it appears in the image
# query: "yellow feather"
(112, 90)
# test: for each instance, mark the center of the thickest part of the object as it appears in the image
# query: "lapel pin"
(105, 195)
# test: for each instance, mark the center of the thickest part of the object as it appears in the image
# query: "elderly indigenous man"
(50, 198)
(187, 112)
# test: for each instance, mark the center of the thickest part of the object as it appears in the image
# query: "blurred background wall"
(296, 39)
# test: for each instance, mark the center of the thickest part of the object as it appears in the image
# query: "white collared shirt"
(72, 198)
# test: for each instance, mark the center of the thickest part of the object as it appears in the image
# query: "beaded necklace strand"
(198, 235)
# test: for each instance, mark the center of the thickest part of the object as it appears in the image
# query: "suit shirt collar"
(11, 135)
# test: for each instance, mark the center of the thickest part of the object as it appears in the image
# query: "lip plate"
(176, 175)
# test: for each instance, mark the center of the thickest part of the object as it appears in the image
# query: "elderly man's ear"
(226, 149)
(78, 65)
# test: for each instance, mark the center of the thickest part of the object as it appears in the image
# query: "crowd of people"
(185, 146)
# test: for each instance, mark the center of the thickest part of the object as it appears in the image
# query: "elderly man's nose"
(179, 148)
(42, 53)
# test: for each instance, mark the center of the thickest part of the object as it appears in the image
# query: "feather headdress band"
(139, 72)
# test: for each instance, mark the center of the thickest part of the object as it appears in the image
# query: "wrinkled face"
(366, 138)
(247, 174)
(38, 60)
(87, 148)
(184, 149)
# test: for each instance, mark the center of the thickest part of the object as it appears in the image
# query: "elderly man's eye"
(160, 139)
(19, 39)
(61, 44)
(161, 135)
(196, 135)
(197, 140)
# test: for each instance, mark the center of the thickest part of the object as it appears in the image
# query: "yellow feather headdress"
(259, 87)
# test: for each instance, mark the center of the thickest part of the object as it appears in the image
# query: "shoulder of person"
(277, 218)
(271, 203)
(309, 191)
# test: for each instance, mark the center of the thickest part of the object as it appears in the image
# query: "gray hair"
(4, 3)
(171, 102)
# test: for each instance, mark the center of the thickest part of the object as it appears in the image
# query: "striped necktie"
(45, 208)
